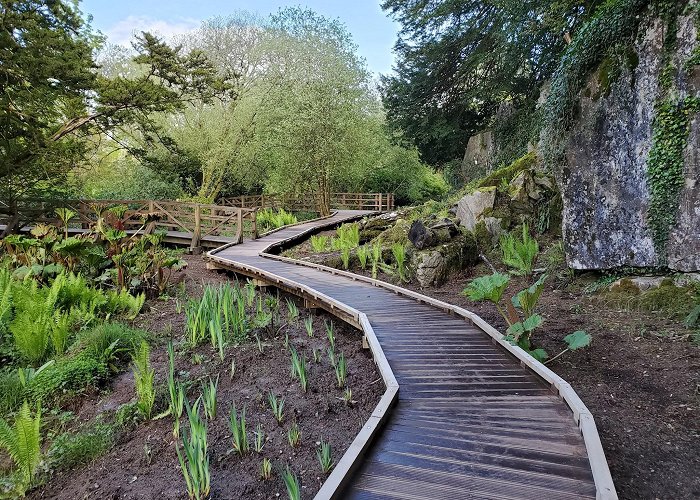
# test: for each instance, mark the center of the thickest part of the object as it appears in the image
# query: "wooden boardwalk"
(471, 420)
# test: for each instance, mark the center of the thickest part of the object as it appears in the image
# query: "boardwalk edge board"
(351, 459)
(605, 488)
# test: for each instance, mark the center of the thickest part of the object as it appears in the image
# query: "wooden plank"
(464, 390)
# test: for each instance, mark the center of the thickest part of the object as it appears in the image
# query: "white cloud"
(122, 32)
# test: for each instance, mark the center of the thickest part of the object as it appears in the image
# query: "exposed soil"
(144, 462)
(640, 377)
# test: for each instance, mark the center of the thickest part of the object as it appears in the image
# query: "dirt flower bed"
(143, 463)
(640, 377)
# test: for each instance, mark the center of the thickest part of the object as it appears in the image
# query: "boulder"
(638, 284)
(398, 233)
(433, 266)
(471, 206)
(420, 236)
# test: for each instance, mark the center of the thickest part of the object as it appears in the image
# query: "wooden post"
(255, 224)
(151, 210)
(380, 203)
(239, 219)
(197, 233)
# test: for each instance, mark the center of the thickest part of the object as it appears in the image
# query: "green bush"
(430, 186)
(110, 342)
(68, 376)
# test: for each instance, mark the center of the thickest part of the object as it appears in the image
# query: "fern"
(520, 254)
(143, 379)
(5, 299)
(23, 441)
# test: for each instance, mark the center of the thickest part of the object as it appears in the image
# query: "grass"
(209, 398)
(299, 369)
(266, 469)
(70, 450)
(330, 333)
(309, 326)
(341, 370)
(291, 482)
(259, 438)
(194, 457)
(294, 436)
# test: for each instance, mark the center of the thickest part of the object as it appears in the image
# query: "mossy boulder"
(433, 266)
(398, 233)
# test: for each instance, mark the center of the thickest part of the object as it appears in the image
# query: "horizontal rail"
(348, 201)
(198, 220)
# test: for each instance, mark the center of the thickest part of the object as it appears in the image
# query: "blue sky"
(372, 30)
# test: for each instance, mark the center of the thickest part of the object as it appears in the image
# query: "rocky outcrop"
(605, 184)
(507, 197)
(479, 154)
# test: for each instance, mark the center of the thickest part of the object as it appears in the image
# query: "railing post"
(151, 210)
(380, 202)
(197, 233)
(255, 224)
(239, 239)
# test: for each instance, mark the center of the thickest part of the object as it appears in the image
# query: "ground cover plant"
(240, 426)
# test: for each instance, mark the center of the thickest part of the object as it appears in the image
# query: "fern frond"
(23, 442)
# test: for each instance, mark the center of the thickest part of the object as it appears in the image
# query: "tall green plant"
(194, 457)
(143, 379)
(23, 441)
(399, 252)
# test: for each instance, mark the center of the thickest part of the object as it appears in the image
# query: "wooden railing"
(195, 219)
(232, 218)
(379, 202)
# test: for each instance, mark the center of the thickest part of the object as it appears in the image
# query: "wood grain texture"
(474, 419)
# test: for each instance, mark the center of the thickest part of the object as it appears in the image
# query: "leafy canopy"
(459, 60)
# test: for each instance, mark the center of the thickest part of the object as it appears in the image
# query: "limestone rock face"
(605, 193)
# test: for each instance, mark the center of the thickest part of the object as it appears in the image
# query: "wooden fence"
(231, 219)
(379, 202)
(198, 221)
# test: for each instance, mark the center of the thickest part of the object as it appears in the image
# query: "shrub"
(109, 342)
(67, 376)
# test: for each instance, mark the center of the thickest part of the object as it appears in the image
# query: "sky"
(373, 31)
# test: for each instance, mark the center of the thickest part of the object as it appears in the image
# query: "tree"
(321, 98)
(52, 98)
(458, 60)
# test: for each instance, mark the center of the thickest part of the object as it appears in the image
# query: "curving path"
(471, 421)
